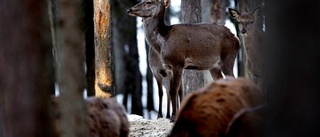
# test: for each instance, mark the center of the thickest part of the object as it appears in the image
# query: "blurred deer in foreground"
(227, 107)
(251, 42)
(186, 46)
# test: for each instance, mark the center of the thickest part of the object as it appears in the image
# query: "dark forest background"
(92, 45)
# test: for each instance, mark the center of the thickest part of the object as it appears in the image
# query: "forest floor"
(140, 127)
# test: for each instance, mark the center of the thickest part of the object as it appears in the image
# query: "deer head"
(148, 8)
(245, 19)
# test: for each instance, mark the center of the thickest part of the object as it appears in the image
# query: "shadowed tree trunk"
(26, 70)
(218, 11)
(128, 76)
(70, 68)
(292, 54)
(89, 40)
(191, 13)
(104, 83)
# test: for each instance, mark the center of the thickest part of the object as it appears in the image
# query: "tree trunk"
(26, 70)
(70, 68)
(128, 76)
(89, 40)
(103, 48)
(292, 53)
(218, 11)
(191, 13)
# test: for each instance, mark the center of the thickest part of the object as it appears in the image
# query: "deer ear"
(256, 11)
(233, 13)
(166, 3)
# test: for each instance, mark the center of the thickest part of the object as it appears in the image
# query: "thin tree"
(191, 13)
(103, 49)
(127, 71)
(26, 70)
(70, 68)
(89, 50)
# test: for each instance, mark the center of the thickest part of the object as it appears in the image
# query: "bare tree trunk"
(26, 70)
(103, 48)
(89, 40)
(191, 13)
(128, 76)
(70, 68)
(218, 11)
(292, 53)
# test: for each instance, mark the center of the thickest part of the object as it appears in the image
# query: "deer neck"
(156, 31)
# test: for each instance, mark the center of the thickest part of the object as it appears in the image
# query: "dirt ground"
(140, 127)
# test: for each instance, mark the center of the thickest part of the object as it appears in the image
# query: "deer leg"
(160, 94)
(228, 63)
(175, 82)
(180, 95)
(168, 104)
(216, 73)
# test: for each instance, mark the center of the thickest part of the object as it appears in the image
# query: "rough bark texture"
(103, 48)
(127, 72)
(89, 40)
(191, 13)
(218, 11)
(70, 68)
(292, 53)
(26, 76)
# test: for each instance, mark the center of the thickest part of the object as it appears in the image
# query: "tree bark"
(70, 68)
(218, 11)
(191, 13)
(103, 48)
(26, 70)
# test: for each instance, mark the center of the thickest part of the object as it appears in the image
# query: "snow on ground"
(140, 127)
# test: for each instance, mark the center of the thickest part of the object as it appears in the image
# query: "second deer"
(251, 41)
(186, 46)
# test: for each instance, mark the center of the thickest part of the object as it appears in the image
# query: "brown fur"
(105, 117)
(208, 111)
(186, 46)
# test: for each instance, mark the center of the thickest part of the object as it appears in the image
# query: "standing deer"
(186, 46)
(250, 35)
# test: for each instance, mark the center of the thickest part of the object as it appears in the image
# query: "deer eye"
(251, 22)
(148, 3)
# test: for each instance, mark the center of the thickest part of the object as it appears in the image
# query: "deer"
(226, 107)
(105, 117)
(186, 46)
(250, 37)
